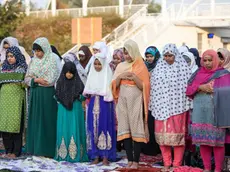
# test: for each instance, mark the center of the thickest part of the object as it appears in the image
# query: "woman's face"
(127, 57)
(208, 62)
(81, 57)
(95, 51)
(97, 65)
(116, 59)
(221, 59)
(149, 58)
(39, 53)
(6, 46)
(169, 58)
(11, 59)
(69, 75)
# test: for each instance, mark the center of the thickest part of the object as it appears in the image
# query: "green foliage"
(10, 18)
(98, 3)
(56, 29)
(154, 8)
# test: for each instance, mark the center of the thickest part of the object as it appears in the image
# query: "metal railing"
(78, 12)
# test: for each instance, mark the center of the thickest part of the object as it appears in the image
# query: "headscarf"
(87, 54)
(12, 42)
(137, 66)
(20, 60)
(168, 86)
(195, 52)
(156, 54)
(46, 67)
(98, 83)
(203, 75)
(226, 55)
(55, 51)
(193, 65)
(119, 53)
(183, 49)
(68, 90)
(81, 71)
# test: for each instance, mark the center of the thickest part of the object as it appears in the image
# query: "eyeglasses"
(168, 55)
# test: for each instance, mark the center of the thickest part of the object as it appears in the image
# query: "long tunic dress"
(41, 132)
(71, 134)
(101, 132)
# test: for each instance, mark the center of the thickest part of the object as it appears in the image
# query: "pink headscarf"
(226, 55)
(203, 75)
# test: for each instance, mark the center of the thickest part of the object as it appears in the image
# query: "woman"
(224, 57)
(169, 104)
(101, 133)
(208, 101)
(84, 55)
(9, 42)
(58, 57)
(71, 135)
(118, 57)
(81, 71)
(152, 55)
(41, 77)
(12, 101)
(131, 92)
(190, 59)
(195, 52)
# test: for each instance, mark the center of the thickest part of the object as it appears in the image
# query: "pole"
(121, 8)
(85, 7)
(213, 7)
(54, 7)
(27, 5)
(163, 7)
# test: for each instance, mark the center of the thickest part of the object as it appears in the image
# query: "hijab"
(119, 53)
(20, 61)
(87, 54)
(226, 55)
(203, 75)
(168, 86)
(98, 83)
(46, 67)
(191, 57)
(195, 52)
(55, 51)
(69, 90)
(81, 71)
(183, 49)
(156, 54)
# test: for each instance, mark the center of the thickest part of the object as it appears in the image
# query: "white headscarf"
(99, 83)
(168, 86)
(12, 42)
(193, 65)
(183, 49)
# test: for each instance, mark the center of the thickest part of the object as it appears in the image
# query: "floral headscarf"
(119, 54)
(46, 67)
(20, 60)
(156, 54)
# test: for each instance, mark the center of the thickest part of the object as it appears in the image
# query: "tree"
(154, 8)
(98, 3)
(10, 17)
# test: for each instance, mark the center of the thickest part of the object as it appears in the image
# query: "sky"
(42, 3)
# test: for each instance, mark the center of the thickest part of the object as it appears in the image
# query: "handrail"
(125, 24)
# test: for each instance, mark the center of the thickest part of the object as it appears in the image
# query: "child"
(12, 101)
(71, 135)
(101, 134)
(118, 57)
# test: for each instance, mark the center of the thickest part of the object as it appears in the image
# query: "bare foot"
(134, 165)
(105, 162)
(12, 156)
(130, 163)
(96, 161)
(165, 169)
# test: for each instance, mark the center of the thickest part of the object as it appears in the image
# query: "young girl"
(101, 135)
(71, 135)
(12, 101)
(118, 57)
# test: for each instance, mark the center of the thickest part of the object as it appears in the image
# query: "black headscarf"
(68, 90)
(195, 52)
(37, 47)
(54, 50)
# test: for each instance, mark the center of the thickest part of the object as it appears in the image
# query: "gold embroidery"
(72, 149)
(170, 139)
(62, 152)
(102, 141)
(109, 141)
(96, 112)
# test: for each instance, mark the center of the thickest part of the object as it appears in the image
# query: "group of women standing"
(74, 107)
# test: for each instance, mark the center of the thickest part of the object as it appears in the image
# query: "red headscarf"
(203, 75)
